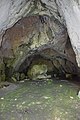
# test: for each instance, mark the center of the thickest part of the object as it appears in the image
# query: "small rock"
(60, 85)
(15, 99)
(2, 98)
(23, 103)
(22, 81)
(79, 94)
(71, 97)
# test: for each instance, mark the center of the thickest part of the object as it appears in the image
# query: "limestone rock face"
(31, 29)
(65, 11)
(14, 10)
(11, 11)
(38, 40)
(70, 9)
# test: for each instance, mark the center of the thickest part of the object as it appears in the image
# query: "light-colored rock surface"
(71, 11)
(79, 94)
(12, 11)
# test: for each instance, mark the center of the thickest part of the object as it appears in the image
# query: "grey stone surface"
(48, 28)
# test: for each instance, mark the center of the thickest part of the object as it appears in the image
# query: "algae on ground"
(41, 101)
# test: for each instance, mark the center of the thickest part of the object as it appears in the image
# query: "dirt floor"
(40, 100)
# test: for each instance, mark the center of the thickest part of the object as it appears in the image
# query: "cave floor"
(38, 100)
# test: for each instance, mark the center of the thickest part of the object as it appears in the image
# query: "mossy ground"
(47, 100)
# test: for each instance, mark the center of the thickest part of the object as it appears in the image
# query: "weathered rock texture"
(38, 40)
(12, 11)
(70, 9)
(40, 36)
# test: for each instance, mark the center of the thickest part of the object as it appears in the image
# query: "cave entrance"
(38, 39)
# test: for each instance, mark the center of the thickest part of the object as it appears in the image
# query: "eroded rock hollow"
(37, 42)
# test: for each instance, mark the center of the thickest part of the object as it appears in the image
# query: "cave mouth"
(39, 41)
(38, 61)
(43, 65)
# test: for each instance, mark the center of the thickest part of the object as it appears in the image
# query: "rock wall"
(38, 40)
(12, 11)
(70, 9)
(33, 29)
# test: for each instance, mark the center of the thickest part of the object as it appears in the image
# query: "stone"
(37, 71)
(69, 76)
(22, 76)
(78, 94)
(16, 77)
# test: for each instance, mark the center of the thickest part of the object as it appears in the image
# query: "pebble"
(60, 85)
(15, 99)
(23, 103)
(2, 98)
(71, 97)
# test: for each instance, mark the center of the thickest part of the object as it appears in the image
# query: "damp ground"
(40, 100)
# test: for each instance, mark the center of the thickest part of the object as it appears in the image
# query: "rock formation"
(38, 33)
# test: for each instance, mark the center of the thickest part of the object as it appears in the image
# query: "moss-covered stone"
(22, 76)
(37, 70)
(16, 77)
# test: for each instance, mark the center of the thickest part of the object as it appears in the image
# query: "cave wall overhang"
(70, 10)
(43, 12)
(67, 12)
(12, 11)
(38, 40)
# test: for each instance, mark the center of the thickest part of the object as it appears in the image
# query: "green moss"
(49, 34)
(22, 76)
(16, 77)
(2, 71)
(37, 70)
(13, 63)
(20, 56)
(54, 101)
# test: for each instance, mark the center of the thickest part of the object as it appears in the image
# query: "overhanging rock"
(70, 9)
(40, 26)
